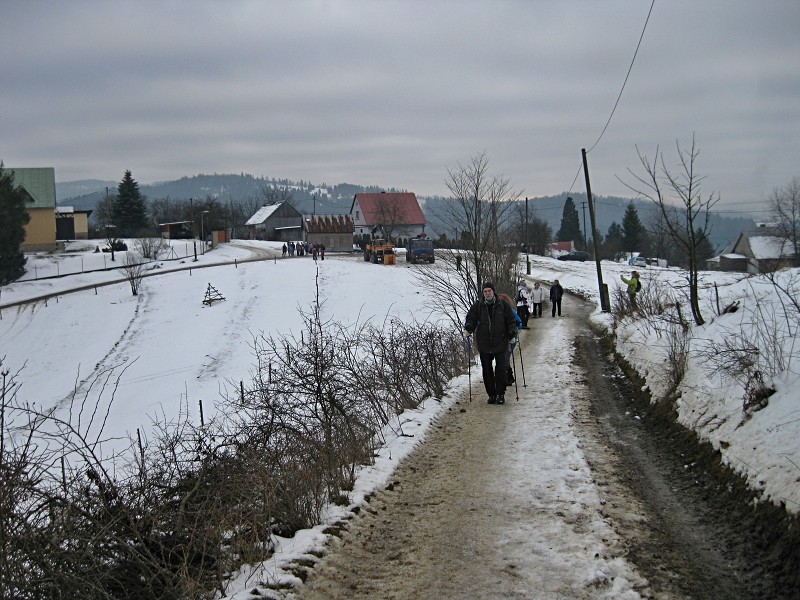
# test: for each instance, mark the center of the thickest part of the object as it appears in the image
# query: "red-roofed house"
(388, 215)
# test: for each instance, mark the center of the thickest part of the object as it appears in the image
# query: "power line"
(630, 68)
(619, 96)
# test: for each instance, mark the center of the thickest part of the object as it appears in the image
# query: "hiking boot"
(501, 399)
(492, 400)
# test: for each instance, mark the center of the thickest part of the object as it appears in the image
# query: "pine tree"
(130, 208)
(612, 245)
(633, 232)
(570, 230)
(13, 218)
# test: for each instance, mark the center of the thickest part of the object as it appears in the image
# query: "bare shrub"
(172, 516)
(755, 350)
(133, 270)
(152, 248)
(658, 310)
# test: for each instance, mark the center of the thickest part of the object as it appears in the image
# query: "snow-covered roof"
(262, 214)
(769, 246)
(732, 256)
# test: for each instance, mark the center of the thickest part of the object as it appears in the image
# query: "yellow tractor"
(379, 251)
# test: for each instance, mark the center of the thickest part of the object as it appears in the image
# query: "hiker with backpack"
(522, 304)
(494, 325)
(512, 345)
(634, 285)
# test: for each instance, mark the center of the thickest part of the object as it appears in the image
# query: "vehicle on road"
(420, 250)
(379, 251)
(575, 255)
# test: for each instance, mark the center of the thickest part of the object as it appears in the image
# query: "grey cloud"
(392, 93)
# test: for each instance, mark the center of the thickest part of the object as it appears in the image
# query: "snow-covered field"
(172, 351)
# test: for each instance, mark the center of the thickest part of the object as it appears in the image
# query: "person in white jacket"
(537, 297)
(522, 303)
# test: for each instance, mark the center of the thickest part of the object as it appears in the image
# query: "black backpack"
(638, 284)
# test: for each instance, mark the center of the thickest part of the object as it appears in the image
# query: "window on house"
(356, 214)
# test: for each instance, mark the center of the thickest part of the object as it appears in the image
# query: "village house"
(276, 222)
(335, 232)
(760, 251)
(39, 186)
(395, 216)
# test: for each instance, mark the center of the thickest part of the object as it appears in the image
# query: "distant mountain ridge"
(337, 199)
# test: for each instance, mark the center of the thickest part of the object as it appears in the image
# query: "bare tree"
(684, 209)
(480, 211)
(276, 195)
(784, 204)
(390, 215)
(133, 269)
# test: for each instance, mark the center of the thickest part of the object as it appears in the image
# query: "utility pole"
(585, 239)
(527, 242)
(605, 303)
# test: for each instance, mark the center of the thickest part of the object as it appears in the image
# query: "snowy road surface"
(499, 502)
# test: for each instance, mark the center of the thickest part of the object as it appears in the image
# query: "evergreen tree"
(130, 208)
(612, 245)
(13, 218)
(570, 230)
(633, 232)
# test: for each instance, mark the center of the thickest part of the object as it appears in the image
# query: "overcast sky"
(396, 93)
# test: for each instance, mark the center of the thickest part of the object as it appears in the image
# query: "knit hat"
(488, 284)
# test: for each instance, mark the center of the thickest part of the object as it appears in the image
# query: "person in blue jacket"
(512, 345)
(493, 323)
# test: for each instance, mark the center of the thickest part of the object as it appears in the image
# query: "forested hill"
(306, 196)
(336, 199)
(608, 210)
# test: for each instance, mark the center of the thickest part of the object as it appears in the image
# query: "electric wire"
(619, 96)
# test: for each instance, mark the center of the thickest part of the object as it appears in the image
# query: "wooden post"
(605, 303)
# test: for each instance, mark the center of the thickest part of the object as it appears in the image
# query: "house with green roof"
(39, 186)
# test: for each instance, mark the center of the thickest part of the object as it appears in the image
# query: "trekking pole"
(514, 367)
(469, 365)
(522, 364)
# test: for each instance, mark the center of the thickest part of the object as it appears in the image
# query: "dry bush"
(152, 248)
(754, 351)
(659, 311)
(173, 516)
(133, 270)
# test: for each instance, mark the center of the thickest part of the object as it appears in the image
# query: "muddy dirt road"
(565, 493)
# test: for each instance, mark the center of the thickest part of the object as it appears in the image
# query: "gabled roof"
(39, 183)
(403, 206)
(262, 214)
(770, 246)
(763, 244)
(329, 224)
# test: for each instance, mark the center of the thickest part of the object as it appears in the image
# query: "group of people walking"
(496, 320)
(495, 323)
(303, 248)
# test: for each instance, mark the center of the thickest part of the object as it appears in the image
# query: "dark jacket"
(493, 323)
(556, 292)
